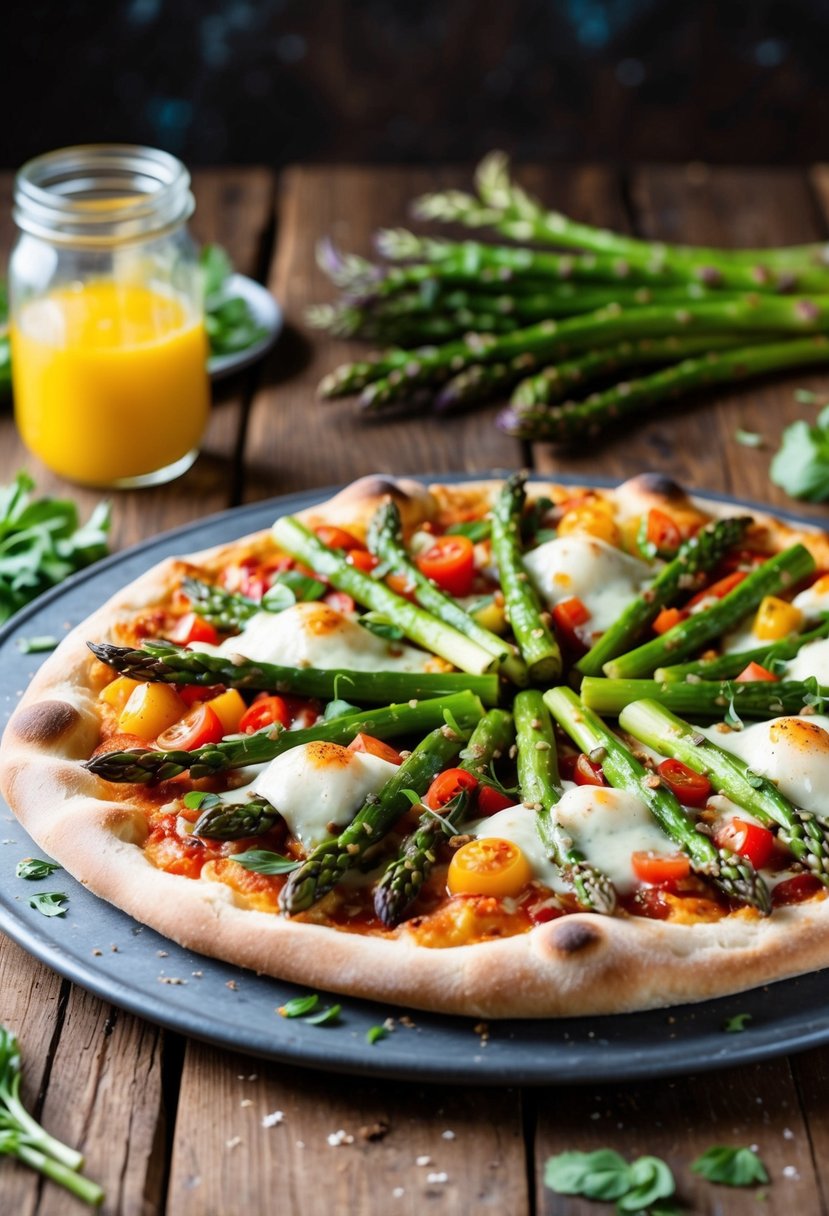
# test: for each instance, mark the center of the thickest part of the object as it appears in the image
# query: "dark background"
(273, 81)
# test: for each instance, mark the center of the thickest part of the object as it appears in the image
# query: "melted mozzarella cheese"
(604, 578)
(318, 785)
(518, 824)
(814, 600)
(791, 752)
(811, 660)
(314, 635)
(609, 826)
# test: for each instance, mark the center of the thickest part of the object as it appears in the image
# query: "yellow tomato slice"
(151, 709)
(488, 866)
(776, 619)
(229, 707)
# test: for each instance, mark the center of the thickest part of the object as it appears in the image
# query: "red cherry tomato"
(755, 672)
(193, 628)
(491, 801)
(199, 727)
(338, 538)
(655, 869)
(750, 840)
(667, 618)
(692, 789)
(400, 585)
(340, 601)
(194, 694)
(375, 747)
(718, 590)
(265, 711)
(447, 785)
(662, 532)
(567, 616)
(361, 559)
(450, 563)
(585, 772)
(795, 890)
(302, 712)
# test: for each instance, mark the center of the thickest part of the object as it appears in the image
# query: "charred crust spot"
(658, 485)
(574, 936)
(46, 722)
(377, 486)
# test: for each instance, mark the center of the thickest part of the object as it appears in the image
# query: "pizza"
(490, 748)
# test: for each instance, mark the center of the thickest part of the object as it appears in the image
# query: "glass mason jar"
(109, 352)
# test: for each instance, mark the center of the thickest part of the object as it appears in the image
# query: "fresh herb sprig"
(801, 465)
(230, 324)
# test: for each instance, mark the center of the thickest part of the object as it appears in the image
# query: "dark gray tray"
(135, 965)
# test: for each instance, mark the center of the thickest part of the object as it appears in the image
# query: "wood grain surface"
(175, 1127)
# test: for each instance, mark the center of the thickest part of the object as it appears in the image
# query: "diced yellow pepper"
(228, 708)
(776, 618)
(117, 692)
(491, 616)
(592, 520)
(151, 709)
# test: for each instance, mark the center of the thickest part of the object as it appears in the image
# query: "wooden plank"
(679, 1119)
(296, 442)
(234, 207)
(811, 1074)
(402, 1148)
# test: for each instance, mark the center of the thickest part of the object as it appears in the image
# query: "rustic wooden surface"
(171, 1126)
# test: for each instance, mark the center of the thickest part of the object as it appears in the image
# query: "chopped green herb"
(605, 1175)
(326, 1017)
(299, 1005)
(475, 529)
(338, 707)
(380, 625)
(49, 903)
(260, 861)
(737, 1024)
(197, 800)
(748, 439)
(37, 645)
(730, 1166)
(801, 466)
(277, 598)
(375, 1033)
(34, 868)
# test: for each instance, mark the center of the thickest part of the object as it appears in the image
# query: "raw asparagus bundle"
(733, 874)
(708, 698)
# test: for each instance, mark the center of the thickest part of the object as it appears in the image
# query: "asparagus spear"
(385, 540)
(421, 626)
(390, 722)
(695, 556)
(405, 876)
(165, 663)
(733, 874)
(236, 820)
(706, 699)
(330, 861)
(800, 831)
(575, 419)
(481, 382)
(539, 782)
(227, 611)
(780, 573)
(726, 666)
(537, 644)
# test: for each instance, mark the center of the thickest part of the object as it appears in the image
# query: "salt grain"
(398, 1192)
(234, 1143)
(275, 1117)
(423, 1160)
(447, 1135)
(335, 1139)
(440, 1178)
(790, 1171)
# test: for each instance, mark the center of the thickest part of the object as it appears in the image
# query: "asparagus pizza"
(483, 748)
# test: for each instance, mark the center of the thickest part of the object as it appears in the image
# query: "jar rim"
(102, 194)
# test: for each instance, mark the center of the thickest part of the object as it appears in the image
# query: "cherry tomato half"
(194, 694)
(656, 869)
(201, 726)
(193, 628)
(447, 785)
(585, 772)
(567, 616)
(718, 590)
(488, 866)
(662, 532)
(361, 559)
(450, 563)
(375, 747)
(667, 618)
(265, 711)
(338, 538)
(491, 801)
(756, 672)
(692, 789)
(750, 840)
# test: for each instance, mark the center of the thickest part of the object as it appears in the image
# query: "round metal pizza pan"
(108, 953)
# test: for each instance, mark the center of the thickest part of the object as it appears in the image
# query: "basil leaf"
(299, 1005)
(602, 1174)
(49, 903)
(475, 529)
(730, 1166)
(34, 868)
(326, 1017)
(197, 800)
(36, 645)
(304, 586)
(261, 861)
(338, 707)
(277, 598)
(380, 625)
(801, 466)
(737, 1024)
(650, 1179)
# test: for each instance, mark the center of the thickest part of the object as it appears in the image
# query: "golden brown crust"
(579, 964)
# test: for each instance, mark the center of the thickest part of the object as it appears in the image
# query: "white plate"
(268, 316)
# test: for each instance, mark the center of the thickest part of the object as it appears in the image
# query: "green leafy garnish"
(475, 529)
(41, 542)
(229, 322)
(605, 1175)
(326, 1017)
(338, 707)
(380, 625)
(34, 868)
(375, 1033)
(801, 466)
(197, 800)
(291, 587)
(731, 1166)
(37, 645)
(737, 1024)
(805, 396)
(299, 1005)
(748, 439)
(49, 903)
(261, 861)
(22, 1137)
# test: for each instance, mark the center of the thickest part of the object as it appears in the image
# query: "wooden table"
(169, 1125)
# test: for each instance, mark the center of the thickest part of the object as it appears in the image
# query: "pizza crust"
(576, 965)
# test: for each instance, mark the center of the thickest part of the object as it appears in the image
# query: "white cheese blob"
(518, 824)
(814, 600)
(609, 826)
(791, 752)
(314, 635)
(811, 660)
(321, 784)
(604, 578)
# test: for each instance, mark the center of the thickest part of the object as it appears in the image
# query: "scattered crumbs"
(389, 1025)
(274, 1119)
(161, 954)
(398, 1192)
(671, 1020)
(406, 1021)
(246, 1102)
(232, 985)
(335, 1139)
(447, 1135)
(482, 1029)
(114, 949)
(300, 1144)
(375, 1131)
(234, 1142)
(197, 974)
(253, 1076)
(170, 979)
(423, 1160)
(788, 1134)
(439, 1178)
(790, 1171)
(97, 952)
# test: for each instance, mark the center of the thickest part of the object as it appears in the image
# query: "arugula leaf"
(801, 466)
(37, 645)
(261, 861)
(49, 903)
(380, 625)
(299, 1005)
(731, 1166)
(737, 1024)
(34, 868)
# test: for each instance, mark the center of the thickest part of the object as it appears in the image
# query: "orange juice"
(110, 380)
